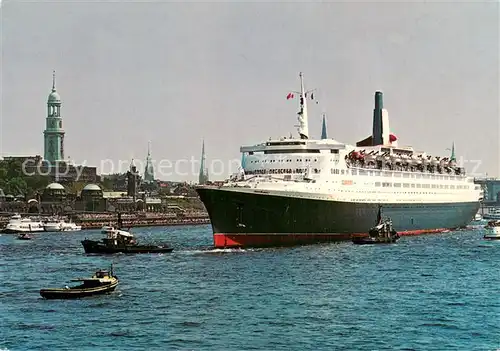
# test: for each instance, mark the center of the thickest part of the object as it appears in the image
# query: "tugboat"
(121, 241)
(101, 282)
(382, 233)
(492, 230)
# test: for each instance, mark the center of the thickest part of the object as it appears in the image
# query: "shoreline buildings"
(77, 187)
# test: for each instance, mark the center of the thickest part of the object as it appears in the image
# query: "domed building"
(91, 191)
(91, 199)
(8, 203)
(54, 199)
(33, 206)
(54, 192)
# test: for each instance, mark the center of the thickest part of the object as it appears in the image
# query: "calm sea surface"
(435, 292)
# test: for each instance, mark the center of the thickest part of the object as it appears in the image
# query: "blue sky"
(175, 73)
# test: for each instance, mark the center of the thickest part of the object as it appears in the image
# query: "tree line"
(14, 182)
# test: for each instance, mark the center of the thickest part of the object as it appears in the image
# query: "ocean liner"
(293, 191)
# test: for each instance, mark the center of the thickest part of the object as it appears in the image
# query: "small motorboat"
(492, 230)
(24, 236)
(102, 282)
(382, 233)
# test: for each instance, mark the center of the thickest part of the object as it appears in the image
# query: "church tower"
(132, 180)
(149, 173)
(203, 175)
(54, 132)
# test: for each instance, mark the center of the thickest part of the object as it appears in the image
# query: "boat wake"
(210, 250)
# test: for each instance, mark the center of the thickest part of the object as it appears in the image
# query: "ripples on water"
(436, 292)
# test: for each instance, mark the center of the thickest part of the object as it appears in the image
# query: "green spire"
(203, 176)
(453, 158)
(149, 176)
(53, 80)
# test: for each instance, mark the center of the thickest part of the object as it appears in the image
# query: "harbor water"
(433, 292)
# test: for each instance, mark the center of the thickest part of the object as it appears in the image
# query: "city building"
(59, 171)
(93, 199)
(491, 188)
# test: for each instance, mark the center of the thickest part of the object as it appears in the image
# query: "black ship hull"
(97, 247)
(245, 218)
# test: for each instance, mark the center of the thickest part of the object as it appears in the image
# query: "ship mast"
(303, 127)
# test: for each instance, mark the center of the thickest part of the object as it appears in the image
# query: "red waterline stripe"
(278, 239)
(422, 231)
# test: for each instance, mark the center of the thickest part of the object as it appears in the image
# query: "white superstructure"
(331, 170)
(327, 169)
(61, 226)
(17, 224)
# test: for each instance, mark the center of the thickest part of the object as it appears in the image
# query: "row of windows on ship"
(418, 186)
(290, 160)
(353, 172)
